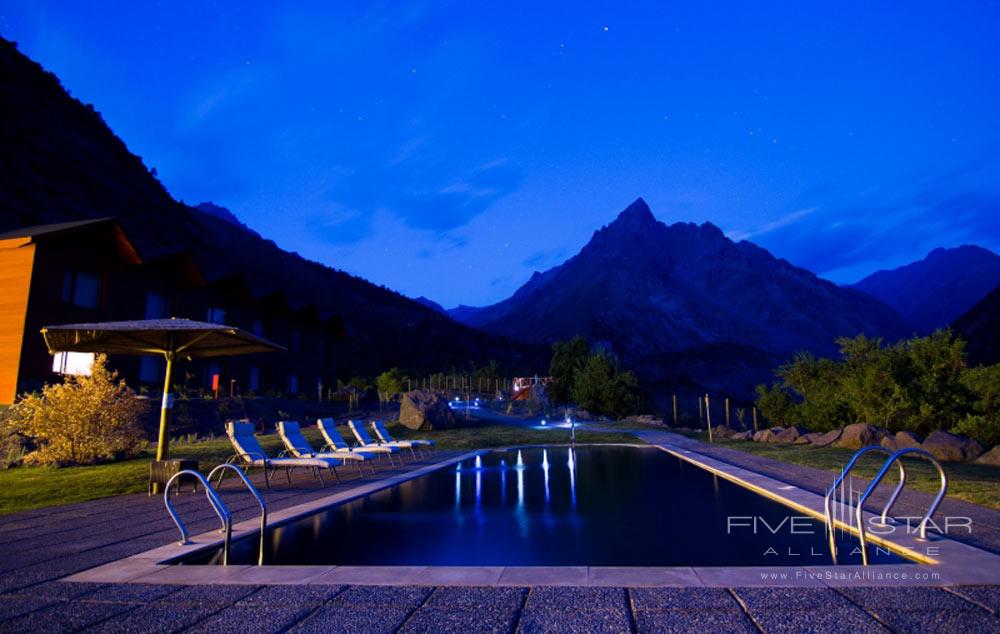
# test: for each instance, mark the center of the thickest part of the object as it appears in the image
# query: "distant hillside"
(222, 213)
(59, 161)
(651, 291)
(430, 303)
(933, 292)
(980, 327)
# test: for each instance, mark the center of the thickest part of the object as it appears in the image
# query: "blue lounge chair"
(250, 454)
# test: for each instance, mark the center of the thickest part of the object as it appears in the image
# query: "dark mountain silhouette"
(222, 213)
(59, 162)
(933, 292)
(430, 303)
(651, 291)
(980, 327)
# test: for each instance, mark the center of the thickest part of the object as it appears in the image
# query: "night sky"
(450, 149)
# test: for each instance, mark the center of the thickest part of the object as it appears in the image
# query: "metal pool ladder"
(894, 457)
(256, 494)
(840, 479)
(923, 453)
(219, 507)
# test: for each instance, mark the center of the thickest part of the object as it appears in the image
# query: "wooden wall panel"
(16, 263)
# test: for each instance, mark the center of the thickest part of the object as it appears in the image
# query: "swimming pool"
(555, 506)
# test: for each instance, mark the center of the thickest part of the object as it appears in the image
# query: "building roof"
(37, 231)
(27, 235)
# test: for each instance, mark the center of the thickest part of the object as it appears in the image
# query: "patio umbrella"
(169, 337)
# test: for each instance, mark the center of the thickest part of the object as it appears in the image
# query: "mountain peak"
(636, 213)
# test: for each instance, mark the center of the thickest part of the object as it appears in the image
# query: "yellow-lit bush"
(82, 420)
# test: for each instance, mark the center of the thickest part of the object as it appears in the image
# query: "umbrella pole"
(166, 410)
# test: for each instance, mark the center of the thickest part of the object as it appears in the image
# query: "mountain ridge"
(936, 290)
(646, 289)
(59, 161)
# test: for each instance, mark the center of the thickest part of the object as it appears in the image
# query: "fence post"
(675, 409)
(708, 417)
(701, 416)
(727, 411)
(755, 419)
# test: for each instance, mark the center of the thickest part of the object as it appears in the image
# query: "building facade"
(90, 272)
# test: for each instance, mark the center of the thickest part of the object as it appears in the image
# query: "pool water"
(556, 506)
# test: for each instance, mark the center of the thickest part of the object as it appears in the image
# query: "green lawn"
(24, 488)
(979, 484)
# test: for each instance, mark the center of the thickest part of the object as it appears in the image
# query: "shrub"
(12, 448)
(985, 429)
(82, 420)
(602, 387)
(389, 384)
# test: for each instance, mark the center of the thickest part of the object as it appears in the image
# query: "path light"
(479, 462)
(543, 421)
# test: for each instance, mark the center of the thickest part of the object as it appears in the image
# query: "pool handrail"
(217, 505)
(926, 455)
(256, 494)
(827, 512)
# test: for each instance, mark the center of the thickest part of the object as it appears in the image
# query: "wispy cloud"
(774, 225)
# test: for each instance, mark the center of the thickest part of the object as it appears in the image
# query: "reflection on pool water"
(556, 506)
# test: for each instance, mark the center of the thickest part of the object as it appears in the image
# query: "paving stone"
(837, 619)
(342, 618)
(14, 606)
(562, 621)
(985, 595)
(66, 617)
(59, 589)
(792, 598)
(464, 597)
(129, 593)
(397, 597)
(575, 598)
(253, 619)
(218, 595)
(978, 621)
(687, 621)
(155, 618)
(906, 598)
(292, 595)
(658, 599)
(482, 619)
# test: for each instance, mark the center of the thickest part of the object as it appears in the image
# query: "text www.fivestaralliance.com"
(860, 575)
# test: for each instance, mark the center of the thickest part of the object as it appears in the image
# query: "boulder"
(907, 439)
(742, 435)
(890, 443)
(991, 457)
(857, 436)
(830, 437)
(765, 435)
(722, 431)
(423, 410)
(790, 434)
(807, 439)
(952, 447)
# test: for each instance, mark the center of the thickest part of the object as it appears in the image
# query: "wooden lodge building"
(90, 271)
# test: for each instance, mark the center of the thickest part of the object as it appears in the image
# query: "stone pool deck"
(38, 548)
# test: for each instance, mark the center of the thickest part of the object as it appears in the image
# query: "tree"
(568, 358)
(82, 420)
(602, 387)
(389, 384)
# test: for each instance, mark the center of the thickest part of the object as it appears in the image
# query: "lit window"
(293, 382)
(257, 328)
(75, 363)
(254, 382)
(295, 343)
(82, 288)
